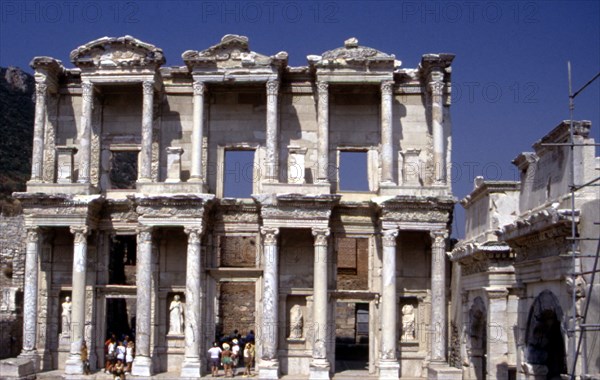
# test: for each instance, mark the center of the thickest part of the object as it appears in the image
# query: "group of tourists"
(119, 356)
(230, 352)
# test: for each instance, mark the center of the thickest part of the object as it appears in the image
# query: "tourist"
(250, 337)
(235, 354)
(129, 356)
(120, 351)
(226, 360)
(248, 358)
(215, 353)
(119, 370)
(110, 354)
(85, 358)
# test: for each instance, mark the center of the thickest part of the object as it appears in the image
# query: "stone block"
(17, 369)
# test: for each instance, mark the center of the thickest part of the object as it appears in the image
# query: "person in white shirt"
(215, 353)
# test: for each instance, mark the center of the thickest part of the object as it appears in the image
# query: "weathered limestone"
(30, 296)
(65, 162)
(85, 134)
(145, 173)
(174, 164)
(272, 159)
(74, 365)
(192, 363)
(320, 366)
(436, 86)
(388, 362)
(142, 364)
(41, 93)
(387, 150)
(269, 363)
(323, 132)
(199, 89)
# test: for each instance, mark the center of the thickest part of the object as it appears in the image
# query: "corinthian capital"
(194, 234)
(386, 87)
(269, 235)
(148, 86)
(322, 87)
(41, 89)
(272, 87)
(438, 238)
(199, 88)
(389, 237)
(321, 235)
(80, 233)
(33, 234)
(436, 87)
(144, 234)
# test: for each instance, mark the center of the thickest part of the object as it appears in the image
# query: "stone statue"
(296, 322)
(176, 316)
(66, 316)
(408, 322)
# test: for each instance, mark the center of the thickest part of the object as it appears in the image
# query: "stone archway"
(478, 338)
(545, 345)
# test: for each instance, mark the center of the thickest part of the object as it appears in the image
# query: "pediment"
(117, 52)
(232, 52)
(354, 55)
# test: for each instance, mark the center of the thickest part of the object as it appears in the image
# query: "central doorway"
(120, 317)
(351, 336)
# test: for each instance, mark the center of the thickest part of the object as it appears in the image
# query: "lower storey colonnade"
(305, 313)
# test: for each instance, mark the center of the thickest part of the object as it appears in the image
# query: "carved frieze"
(117, 52)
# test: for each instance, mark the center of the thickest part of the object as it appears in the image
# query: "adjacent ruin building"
(516, 287)
(129, 211)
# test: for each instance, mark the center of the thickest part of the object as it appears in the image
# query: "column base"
(268, 369)
(443, 371)
(389, 370)
(319, 369)
(20, 368)
(74, 365)
(191, 368)
(142, 366)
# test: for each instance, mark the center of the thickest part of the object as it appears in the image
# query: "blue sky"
(509, 75)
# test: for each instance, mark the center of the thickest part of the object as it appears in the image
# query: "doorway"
(120, 317)
(351, 336)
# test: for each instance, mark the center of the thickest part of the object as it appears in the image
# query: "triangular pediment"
(117, 52)
(354, 55)
(232, 52)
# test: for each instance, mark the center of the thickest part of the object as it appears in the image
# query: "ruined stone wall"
(237, 306)
(12, 270)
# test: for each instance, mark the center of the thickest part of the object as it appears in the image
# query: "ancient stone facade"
(127, 208)
(513, 293)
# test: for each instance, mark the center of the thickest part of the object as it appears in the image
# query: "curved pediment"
(117, 52)
(232, 52)
(352, 54)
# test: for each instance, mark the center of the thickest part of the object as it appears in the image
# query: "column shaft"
(270, 320)
(142, 364)
(323, 132)
(74, 366)
(85, 136)
(319, 367)
(197, 131)
(38, 131)
(272, 131)
(387, 151)
(437, 118)
(438, 296)
(388, 302)
(145, 174)
(193, 294)
(30, 295)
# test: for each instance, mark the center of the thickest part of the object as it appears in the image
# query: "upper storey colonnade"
(107, 64)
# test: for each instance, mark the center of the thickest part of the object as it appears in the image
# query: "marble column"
(74, 365)
(438, 296)
(30, 296)
(272, 159)
(41, 93)
(145, 174)
(192, 363)
(388, 361)
(323, 132)
(319, 365)
(387, 149)
(436, 86)
(85, 135)
(197, 132)
(498, 330)
(142, 364)
(269, 364)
